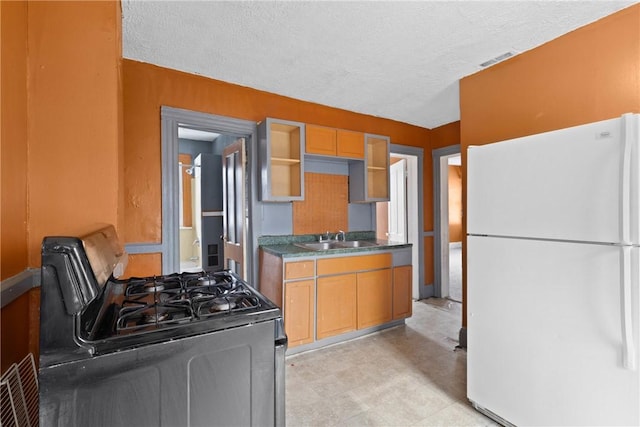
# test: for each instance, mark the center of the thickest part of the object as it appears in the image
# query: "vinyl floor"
(409, 375)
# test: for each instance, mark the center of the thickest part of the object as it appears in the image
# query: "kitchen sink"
(356, 244)
(317, 246)
(323, 246)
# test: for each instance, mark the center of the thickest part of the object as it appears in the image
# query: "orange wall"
(590, 74)
(20, 329)
(74, 126)
(15, 323)
(445, 135)
(455, 204)
(62, 151)
(148, 87)
(13, 249)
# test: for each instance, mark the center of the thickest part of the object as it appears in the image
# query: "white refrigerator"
(553, 261)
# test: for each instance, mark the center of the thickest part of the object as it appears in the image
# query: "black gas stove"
(202, 335)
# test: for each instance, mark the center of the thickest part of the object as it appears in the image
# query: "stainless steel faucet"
(338, 236)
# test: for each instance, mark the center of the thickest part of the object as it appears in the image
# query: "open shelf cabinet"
(369, 180)
(281, 160)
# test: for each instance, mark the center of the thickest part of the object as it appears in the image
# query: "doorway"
(397, 206)
(221, 132)
(401, 218)
(447, 192)
(200, 199)
(211, 224)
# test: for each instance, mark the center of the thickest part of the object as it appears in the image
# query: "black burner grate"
(152, 302)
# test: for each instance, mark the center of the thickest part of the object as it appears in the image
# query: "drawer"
(353, 263)
(299, 269)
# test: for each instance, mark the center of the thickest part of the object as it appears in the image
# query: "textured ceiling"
(397, 60)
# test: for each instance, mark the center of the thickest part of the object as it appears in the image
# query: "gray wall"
(277, 218)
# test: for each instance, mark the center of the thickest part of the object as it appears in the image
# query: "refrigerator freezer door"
(564, 185)
(545, 335)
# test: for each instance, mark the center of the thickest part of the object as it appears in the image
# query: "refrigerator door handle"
(625, 180)
(628, 346)
(629, 350)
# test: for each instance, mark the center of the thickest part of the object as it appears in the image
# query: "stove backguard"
(74, 272)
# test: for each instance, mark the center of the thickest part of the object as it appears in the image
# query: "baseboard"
(426, 291)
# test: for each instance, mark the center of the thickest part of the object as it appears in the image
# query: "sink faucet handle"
(324, 236)
(339, 233)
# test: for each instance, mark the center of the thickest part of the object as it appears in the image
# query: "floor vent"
(19, 394)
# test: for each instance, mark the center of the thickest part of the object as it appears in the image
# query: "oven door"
(221, 378)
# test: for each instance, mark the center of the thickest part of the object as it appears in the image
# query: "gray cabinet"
(369, 179)
(281, 151)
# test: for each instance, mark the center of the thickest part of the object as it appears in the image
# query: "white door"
(545, 340)
(562, 185)
(398, 201)
(234, 207)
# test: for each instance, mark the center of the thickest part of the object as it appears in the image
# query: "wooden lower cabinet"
(299, 302)
(325, 297)
(336, 305)
(299, 269)
(374, 297)
(402, 304)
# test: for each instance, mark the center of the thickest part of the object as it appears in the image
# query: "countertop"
(286, 248)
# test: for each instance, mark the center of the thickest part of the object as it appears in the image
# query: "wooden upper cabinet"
(321, 140)
(281, 149)
(350, 144)
(327, 141)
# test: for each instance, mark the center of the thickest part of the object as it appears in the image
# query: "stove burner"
(222, 304)
(154, 286)
(155, 317)
(141, 287)
(201, 294)
(204, 281)
(219, 280)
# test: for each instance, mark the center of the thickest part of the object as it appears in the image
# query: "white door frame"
(415, 209)
(441, 218)
(397, 206)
